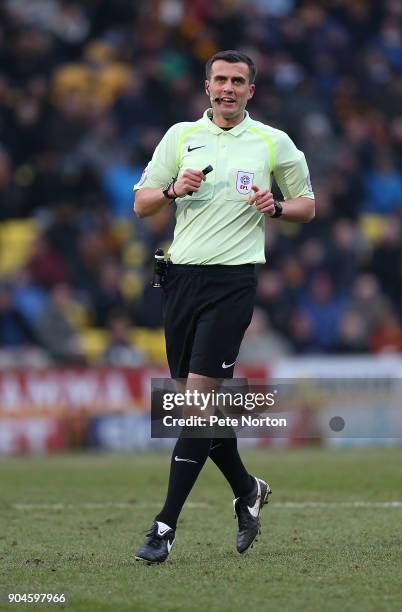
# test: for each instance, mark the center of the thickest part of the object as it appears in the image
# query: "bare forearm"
(149, 201)
(298, 210)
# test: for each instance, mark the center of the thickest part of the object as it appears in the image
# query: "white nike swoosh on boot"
(169, 545)
(186, 460)
(255, 509)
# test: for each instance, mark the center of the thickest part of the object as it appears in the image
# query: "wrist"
(169, 191)
(278, 210)
(173, 189)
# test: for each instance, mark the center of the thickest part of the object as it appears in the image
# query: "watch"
(278, 210)
(166, 191)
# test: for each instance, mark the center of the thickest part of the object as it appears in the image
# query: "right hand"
(190, 180)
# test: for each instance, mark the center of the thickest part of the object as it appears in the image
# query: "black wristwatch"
(166, 190)
(278, 210)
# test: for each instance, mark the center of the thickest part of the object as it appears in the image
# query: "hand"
(263, 200)
(190, 180)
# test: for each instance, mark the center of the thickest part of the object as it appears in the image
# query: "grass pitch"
(70, 524)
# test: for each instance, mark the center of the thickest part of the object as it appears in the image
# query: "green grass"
(308, 558)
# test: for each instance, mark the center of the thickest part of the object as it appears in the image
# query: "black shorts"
(207, 309)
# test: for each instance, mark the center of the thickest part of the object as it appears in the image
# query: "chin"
(231, 113)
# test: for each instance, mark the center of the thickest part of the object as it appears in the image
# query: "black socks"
(226, 457)
(188, 458)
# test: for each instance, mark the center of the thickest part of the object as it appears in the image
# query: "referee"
(210, 288)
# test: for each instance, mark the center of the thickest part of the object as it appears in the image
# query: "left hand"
(263, 200)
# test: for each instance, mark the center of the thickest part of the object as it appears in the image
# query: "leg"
(189, 456)
(225, 455)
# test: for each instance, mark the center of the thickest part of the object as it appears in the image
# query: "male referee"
(210, 288)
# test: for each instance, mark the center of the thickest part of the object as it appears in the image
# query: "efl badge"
(143, 176)
(244, 182)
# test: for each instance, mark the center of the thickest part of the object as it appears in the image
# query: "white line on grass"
(133, 505)
(350, 504)
(99, 506)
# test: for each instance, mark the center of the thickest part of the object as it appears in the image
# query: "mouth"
(227, 100)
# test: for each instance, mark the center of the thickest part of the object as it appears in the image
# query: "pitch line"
(127, 505)
(99, 505)
(351, 504)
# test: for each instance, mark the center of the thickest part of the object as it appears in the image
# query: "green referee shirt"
(216, 225)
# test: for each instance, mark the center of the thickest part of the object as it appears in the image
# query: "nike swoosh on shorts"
(229, 365)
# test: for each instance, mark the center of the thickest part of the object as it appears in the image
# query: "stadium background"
(87, 89)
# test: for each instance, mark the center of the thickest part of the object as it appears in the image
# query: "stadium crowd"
(88, 88)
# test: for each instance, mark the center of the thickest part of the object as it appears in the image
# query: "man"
(210, 288)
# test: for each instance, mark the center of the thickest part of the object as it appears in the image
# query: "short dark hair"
(233, 57)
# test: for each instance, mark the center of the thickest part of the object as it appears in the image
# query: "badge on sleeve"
(244, 182)
(143, 176)
(308, 181)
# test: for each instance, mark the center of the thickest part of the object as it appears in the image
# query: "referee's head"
(229, 85)
(232, 57)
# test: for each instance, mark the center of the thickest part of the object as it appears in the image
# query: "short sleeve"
(163, 165)
(291, 171)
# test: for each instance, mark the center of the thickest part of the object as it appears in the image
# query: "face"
(230, 83)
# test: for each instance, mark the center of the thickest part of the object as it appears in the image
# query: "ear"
(251, 91)
(207, 88)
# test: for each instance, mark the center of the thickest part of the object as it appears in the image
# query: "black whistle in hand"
(160, 268)
(206, 170)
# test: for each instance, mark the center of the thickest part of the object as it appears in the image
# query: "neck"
(224, 122)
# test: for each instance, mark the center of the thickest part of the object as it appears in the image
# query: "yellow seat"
(151, 342)
(16, 239)
(372, 227)
(94, 342)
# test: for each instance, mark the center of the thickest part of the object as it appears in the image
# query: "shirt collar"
(215, 129)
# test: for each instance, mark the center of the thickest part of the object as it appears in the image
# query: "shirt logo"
(244, 182)
(189, 149)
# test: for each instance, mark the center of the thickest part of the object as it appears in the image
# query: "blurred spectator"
(46, 266)
(324, 311)
(353, 336)
(319, 144)
(301, 332)
(29, 299)
(384, 186)
(387, 337)
(108, 295)
(386, 261)
(54, 329)
(15, 331)
(261, 343)
(14, 203)
(368, 303)
(121, 351)
(343, 254)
